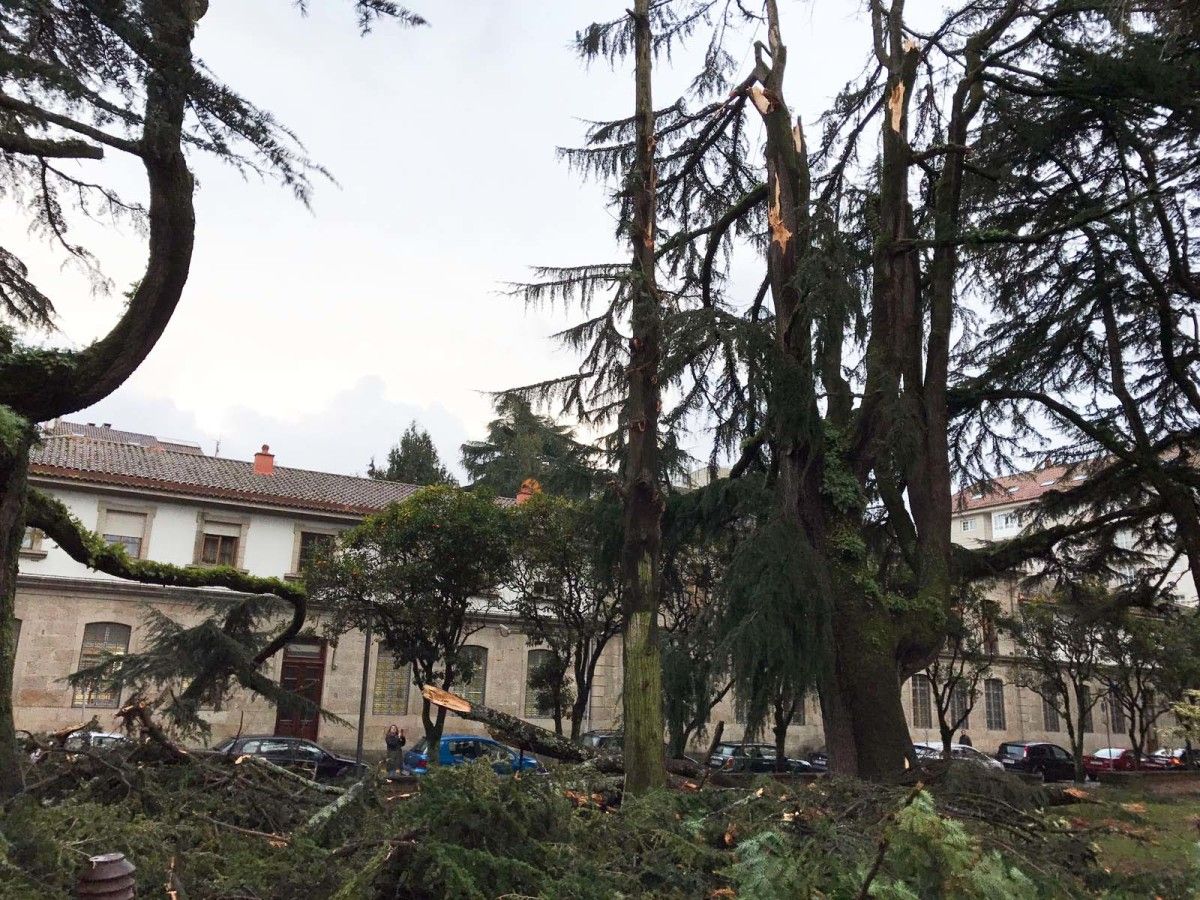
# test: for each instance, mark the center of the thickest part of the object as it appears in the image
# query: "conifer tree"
(87, 82)
(1091, 355)
(521, 444)
(413, 461)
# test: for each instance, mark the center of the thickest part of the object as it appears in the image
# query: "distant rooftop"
(100, 454)
(107, 433)
(1023, 487)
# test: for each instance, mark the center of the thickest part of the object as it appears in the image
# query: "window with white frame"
(993, 697)
(1007, 522)
(922, 702)
(967, 524)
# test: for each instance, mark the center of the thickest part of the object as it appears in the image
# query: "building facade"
(168, 501)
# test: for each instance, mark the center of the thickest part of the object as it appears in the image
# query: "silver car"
(933, 750)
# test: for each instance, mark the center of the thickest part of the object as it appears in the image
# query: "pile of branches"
(202, 823)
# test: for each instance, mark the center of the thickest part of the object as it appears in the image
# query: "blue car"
(459, 749)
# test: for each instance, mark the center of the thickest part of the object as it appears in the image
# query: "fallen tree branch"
(326, 814)
(288, 773)
(250, 832)
(530, 738)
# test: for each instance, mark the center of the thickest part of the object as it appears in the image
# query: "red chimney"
(264, 461)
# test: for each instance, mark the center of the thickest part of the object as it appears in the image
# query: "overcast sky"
(323, 333)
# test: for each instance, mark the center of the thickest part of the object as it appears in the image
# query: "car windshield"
(1013, 750)
(1109, 753)
(419, 746)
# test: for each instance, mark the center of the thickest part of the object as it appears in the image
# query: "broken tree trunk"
(532, 739)
(326, 814)
(288, 773)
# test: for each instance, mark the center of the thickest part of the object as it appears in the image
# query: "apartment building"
(170, 502)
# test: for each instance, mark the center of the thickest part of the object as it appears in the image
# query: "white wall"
(269, 539)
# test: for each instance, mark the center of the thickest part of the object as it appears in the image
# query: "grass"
(1146, 841)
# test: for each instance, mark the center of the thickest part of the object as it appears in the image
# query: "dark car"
(460, 749)
(1050, 761)
(754, 758)
(819, 760)
(298, 754)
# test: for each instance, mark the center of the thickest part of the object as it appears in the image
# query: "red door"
(303, 673)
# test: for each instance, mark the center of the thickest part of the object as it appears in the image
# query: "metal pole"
(362, 699)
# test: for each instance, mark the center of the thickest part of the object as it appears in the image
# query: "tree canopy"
(413, 461)
(522, 444)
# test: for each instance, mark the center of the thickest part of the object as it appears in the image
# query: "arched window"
(390, 696)
(99, 640)
(475, 659)
(922, 702)
(537, 696)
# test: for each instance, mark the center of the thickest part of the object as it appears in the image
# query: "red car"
(1117, 759)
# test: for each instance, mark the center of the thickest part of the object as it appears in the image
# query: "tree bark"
(41, 384)
(15, 439)
(642, 688)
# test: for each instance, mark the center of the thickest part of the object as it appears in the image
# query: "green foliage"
(417, 572)
(413, 461)
(521, 444)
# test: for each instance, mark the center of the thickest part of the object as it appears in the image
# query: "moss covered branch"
(89, 548)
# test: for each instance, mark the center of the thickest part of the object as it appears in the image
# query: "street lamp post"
(362, 698)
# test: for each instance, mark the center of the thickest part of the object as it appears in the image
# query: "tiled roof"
(160, 467)
(117, 436)
(1023, 487)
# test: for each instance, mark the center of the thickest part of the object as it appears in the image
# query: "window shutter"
(125, 524)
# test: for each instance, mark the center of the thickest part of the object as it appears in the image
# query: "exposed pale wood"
(288, 773)
(532, 739)
(326, 814)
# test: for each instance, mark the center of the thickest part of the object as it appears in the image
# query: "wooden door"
(303, 673)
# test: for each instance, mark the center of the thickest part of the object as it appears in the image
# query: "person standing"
(394, 739)
(965, 740)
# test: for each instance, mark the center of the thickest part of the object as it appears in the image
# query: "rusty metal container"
(108, 877)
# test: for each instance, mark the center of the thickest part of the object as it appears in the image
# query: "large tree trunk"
(866, 695)
(642, 688)
(15, 438)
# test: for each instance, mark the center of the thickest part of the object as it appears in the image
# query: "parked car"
(1177, 758)
(934, 750)
(756, 758)
(298, 754)
(94, 740)
(1050, 761)
(459, 749)
(819, 760)
(604, 741)
(1118, 759)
